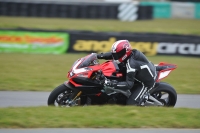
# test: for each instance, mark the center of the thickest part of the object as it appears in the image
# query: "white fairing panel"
(164, 74)
(80, 70)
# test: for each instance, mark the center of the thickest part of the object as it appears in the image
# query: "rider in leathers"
(137, 68)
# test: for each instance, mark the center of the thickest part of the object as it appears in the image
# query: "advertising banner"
(102, 42)
(33, 42)
(37, 41)
(148, 43)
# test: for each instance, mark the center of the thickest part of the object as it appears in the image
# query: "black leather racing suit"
(138, 68)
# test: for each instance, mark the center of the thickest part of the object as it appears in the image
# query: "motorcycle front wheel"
(60, 96)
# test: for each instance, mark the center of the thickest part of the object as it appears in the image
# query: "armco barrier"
(149, 43)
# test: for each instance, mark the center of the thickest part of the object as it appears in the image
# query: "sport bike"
(85, 85)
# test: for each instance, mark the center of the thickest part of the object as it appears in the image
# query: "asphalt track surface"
(31, 98)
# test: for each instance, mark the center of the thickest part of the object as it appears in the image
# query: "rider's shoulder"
(136, 51)
(132, 62)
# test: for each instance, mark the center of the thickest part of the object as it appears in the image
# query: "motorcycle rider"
(136, 67)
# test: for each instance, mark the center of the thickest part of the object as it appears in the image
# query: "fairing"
(165, 72)
(108, 68)
(82, 71)
(84, 68)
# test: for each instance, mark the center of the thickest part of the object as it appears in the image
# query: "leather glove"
(100, 56)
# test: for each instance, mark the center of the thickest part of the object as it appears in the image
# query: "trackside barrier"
(128, 11)
(182, 9)
(197, 11)
(101, 9)
(149, 43)
(58, 9)
(160, 9)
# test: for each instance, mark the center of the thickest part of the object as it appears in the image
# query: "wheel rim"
(164, 96)
(62, 98)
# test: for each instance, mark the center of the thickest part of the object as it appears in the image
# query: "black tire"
(165, 87)
(55, 93)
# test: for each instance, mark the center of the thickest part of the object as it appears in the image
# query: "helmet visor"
(119, 55)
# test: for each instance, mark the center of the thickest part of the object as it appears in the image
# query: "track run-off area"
(32, 98)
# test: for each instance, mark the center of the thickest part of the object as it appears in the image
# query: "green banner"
(34, 42)
(197, 10)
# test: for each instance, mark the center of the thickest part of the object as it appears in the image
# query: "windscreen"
(89, 60)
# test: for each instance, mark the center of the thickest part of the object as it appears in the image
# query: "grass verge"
(99, 117)
(173, 26)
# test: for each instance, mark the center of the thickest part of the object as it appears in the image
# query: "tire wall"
(64, 9)
(128, 11)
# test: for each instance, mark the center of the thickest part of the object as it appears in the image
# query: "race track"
(31, 98)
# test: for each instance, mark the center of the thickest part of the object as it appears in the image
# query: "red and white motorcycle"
(86, 85)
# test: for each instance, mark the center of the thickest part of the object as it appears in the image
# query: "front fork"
(73, 98)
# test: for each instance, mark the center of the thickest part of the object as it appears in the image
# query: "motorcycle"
(86, 85)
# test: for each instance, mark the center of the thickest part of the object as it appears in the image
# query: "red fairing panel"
(108, 68)
(165, 72)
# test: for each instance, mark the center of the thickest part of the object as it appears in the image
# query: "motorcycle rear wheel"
(166, 94)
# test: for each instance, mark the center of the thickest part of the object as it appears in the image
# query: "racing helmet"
(121, 50)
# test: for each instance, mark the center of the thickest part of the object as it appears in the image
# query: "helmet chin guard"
(121, 50)
(117, 61)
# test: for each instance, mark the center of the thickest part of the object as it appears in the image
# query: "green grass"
(174, 26)
(38, 72)
(34, 71)
(99, 117)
